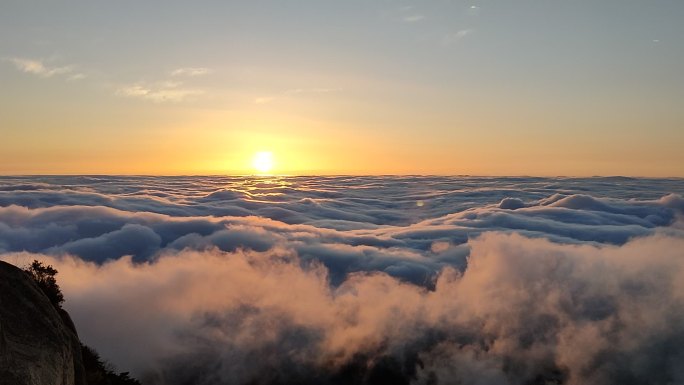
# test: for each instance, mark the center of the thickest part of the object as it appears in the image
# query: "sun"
(263, 161)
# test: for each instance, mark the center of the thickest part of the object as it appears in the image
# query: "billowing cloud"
(524, 310)
(332, 280)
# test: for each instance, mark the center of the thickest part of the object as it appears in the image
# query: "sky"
(478, 87)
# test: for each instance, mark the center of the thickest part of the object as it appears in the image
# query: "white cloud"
(170, 89)
(191, 71)
(162, 92)
(37, 67)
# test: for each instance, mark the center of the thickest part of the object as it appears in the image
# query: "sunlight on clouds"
(492, 281)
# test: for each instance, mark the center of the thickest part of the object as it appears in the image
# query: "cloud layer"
(364, 280)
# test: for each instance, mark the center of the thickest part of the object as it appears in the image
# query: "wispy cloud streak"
(413, 18)
(191, 71)
(159, 93)
(453, 38)
(39, 68)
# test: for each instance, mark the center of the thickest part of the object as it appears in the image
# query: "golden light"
(263, 161)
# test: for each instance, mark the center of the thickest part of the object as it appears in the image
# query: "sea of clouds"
(364, 280)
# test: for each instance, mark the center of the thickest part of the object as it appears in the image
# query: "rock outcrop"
(38, 343)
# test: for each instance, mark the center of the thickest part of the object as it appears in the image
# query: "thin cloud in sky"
(296, 91)
(263, 99)
(452, 38)
(191, 71)
(413, 18)
(163, 92)
(312, 90)
(77, 76)
(37, 67)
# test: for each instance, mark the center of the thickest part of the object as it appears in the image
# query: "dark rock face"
(38, 344)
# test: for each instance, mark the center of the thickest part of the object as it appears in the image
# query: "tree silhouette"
(44, 276)
(99, 372)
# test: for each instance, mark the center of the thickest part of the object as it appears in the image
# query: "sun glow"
(263, 161)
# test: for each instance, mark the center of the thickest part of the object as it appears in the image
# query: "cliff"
(38, 343)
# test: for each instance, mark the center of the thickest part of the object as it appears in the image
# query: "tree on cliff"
(99, 372)
(44, 276)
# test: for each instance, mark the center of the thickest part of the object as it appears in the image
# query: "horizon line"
(284, 175)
